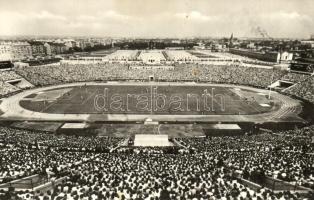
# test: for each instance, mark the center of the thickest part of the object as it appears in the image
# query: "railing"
(273, 184)
(29, 182)
(280, 185)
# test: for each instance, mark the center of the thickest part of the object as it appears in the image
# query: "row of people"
(303, 89)
(7, 75)
(39, 139)
(295, 77)
(6, 88)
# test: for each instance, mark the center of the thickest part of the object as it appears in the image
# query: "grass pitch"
(141, 99)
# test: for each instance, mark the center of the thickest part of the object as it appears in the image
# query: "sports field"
(153, 99)
(157, 101)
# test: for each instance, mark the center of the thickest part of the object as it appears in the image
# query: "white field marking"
(264, 105)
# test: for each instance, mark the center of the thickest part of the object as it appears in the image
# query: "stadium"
(173, 123)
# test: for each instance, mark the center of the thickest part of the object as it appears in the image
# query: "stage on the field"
(74, 126)
(150, 140)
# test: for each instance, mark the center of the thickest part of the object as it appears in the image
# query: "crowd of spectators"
(287, 155)
(230, 73)
(295, 77)
(7, 75)
(205, 169)
(303, 89)
(44, 140)
(6, 88)
(25, 153)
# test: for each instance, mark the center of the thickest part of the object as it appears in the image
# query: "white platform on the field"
(145, 140)
(74, 125)
(149, 121)
(264, 105)
(224, 126)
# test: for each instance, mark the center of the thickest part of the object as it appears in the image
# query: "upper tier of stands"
(303, 89)
(6, 88)
(295, 77)
(231, 73)
(11, 82)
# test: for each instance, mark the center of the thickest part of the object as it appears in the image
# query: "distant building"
(21, 50)
(251, 45)
(69, 44)
(75, 44)
(57, 48)
(174, 48)
(199, 45)
(85, 44)
(275, 57)
(15, 50)
(176, 42)
(47, 49)
(37, 48)
(284, 57)
(310, 43)
(216, 47)
(5, 52)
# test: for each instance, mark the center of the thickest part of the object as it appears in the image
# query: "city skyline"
(158, 19)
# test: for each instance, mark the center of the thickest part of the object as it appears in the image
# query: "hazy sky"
(157, 18)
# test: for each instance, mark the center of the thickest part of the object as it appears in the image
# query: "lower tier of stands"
(206, 171)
